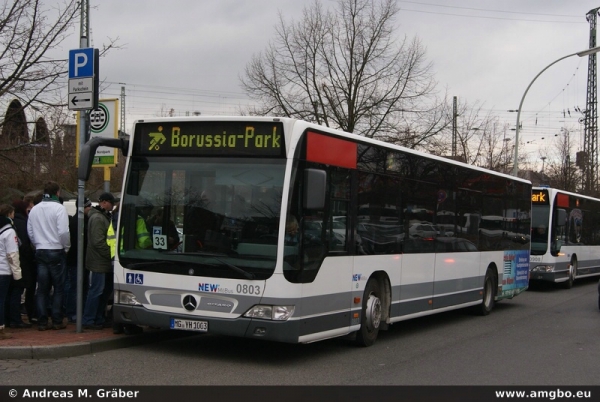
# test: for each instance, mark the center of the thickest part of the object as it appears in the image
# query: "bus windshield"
(539, 229)
(216, 217)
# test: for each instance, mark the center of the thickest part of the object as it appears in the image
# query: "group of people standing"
(38, 255)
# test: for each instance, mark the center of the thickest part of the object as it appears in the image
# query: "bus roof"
(300, 126)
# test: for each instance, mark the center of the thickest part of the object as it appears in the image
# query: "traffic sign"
(77, 85)
(83, 78)
(81, 101)
(81, 62)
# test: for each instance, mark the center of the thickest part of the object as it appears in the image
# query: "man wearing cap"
(98, 261)
(48, 229)
(71, 281)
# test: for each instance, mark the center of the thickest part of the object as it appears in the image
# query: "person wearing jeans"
(48, 229)
(52, 265)
(98, 260)
(95, 304)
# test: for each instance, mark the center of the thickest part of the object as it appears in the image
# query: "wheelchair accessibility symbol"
(135, 279)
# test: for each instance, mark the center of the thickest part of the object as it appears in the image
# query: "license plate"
(189, 325)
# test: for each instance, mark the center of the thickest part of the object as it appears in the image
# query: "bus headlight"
(543, 268)
(123, 297)
(268, 312)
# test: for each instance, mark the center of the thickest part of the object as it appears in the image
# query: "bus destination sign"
(206, 138)
(540, 197)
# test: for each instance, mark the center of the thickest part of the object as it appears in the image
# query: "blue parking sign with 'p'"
(81, 63)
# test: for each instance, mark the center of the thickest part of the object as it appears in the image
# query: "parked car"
(422, 230)
(454, 244)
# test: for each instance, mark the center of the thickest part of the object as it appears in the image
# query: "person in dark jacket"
(71, 281)
(98, 260)
(28, 266)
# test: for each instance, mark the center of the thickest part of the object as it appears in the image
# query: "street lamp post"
(583, 53)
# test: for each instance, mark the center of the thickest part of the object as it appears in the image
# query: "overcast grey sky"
(188, 54)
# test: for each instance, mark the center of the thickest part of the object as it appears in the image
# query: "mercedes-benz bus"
(565, 236)
(231, 187)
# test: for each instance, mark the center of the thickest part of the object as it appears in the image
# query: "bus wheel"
(572, 274)
(371, 314)
(489, 293)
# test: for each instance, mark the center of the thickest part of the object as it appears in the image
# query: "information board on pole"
(104, 122)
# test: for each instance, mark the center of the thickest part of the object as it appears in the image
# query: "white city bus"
(221, 261)
(565, 236)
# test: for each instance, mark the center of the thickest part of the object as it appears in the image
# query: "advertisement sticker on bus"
(516, 270)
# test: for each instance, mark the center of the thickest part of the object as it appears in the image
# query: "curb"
(86, 348)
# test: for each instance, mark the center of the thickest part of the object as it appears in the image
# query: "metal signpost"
(83, 95)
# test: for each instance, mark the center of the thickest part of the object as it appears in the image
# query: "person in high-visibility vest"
(143, 239)
(111, 240)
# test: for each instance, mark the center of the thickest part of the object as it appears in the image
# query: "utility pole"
(543, 158)
(454, 129)
(590, 136)
(122, 128)
(567, 169)
(84, 118)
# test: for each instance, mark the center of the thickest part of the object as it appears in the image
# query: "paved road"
(546, 336)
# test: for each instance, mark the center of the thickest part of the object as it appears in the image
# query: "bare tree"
(29, 30)
(345, 69)
(560, 169)
(480, 138)
(495, 151)
(32, 77)
(473, 127)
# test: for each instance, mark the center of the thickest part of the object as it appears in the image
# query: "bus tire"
(490, 286)
(572, 274)
(372, 311)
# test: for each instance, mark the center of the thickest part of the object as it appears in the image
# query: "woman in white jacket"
(9, 259)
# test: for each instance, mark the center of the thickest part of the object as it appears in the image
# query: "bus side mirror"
(555, 247)
(88, 152)
(315, 181)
